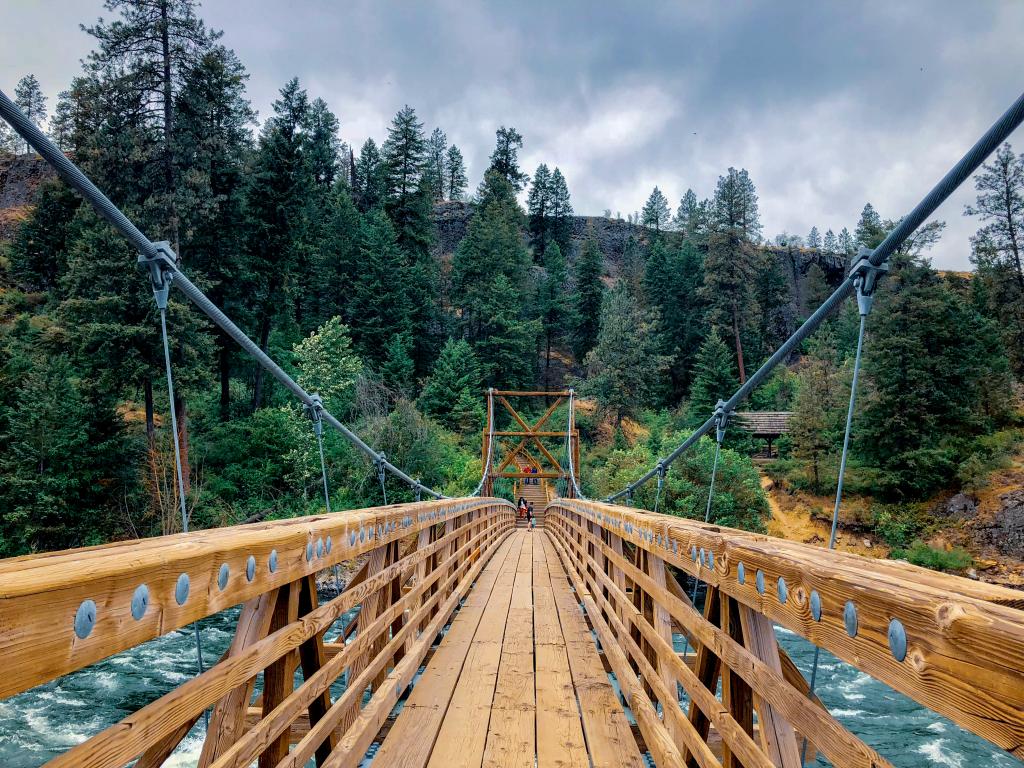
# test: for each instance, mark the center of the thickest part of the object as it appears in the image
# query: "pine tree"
(735, 206)
(813, 238)
(816, 288)
(506, 342)
(398, 369)
(278, 214)
(323, 147)
(692, 216)
(538, 209)
(148, 50)
(846, 244)
(404, 153)
(493, 246)
(829, 244)
(453, 394)
(30, 99)
(553, 305)
(505, 158)
(1000, 205)
(455, 174)
(370, 186)
(561, 211)
(870, 229)
(588, 296)
(435, 171)
(819, 411)
(624, 367)
(380, 303)
(714, 378)
(656, 213)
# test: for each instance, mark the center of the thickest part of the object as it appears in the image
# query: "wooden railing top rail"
(62, 611)
(954, 645)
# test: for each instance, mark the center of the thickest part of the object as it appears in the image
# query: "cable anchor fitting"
(865, 277)
(314, 411)
(661, 469)
(161, 268)
(721, 417)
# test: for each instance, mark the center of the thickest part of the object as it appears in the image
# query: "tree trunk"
(739, 344)
(257, 385)
(181, 411)
(224, 365)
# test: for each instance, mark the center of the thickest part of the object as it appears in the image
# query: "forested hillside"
(386, 279)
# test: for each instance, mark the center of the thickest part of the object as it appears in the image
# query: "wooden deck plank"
(560, 741)
(609, 738)
(511, 733)
(463, 734)
(411, 739)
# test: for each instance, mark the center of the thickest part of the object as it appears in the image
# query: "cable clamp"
(661, 469)
(314, 410)
(865, 278)
(721, 417)
(161, 268)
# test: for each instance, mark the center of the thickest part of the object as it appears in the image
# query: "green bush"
(919, 553)
(988, 454)
(897, 524)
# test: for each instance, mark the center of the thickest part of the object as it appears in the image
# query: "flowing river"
(44, 722)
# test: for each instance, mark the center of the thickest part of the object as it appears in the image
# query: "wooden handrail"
(963, 653)
(41, 595)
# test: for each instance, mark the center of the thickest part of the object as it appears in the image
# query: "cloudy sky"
(827, 104)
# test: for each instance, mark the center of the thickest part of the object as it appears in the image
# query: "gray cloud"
(828, 105)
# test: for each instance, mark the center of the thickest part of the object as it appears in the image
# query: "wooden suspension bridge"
(479, 644)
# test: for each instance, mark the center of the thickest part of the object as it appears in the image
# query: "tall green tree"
(870, 228)
(369, 185)
(588, 296)
(656, 213)
(829, 244)
(553, 305)
(455, 174)
(561, 211)
(813, 238)
(30, 99)
(505, 158)
(714, 378)
(692, 216)
(819, 411)
(435, 170)
(538, 208)
(624, 367)
(454, 392)
(506, 341)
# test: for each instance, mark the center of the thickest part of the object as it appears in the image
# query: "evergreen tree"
(691, 216)
(771, 297)
(656, 213)
(588, 295)
(493, 246)
(553, 305)
(819, 412)
(870, 229)
(735, 206)
(1000, 205)
(505, 158)
(936, 377)
(538, 208)
(624, 367)
(455, 174)
(814, 238)
(380, 302)
(147, 51)
(277, 203)
(398, 369)
(435, 171)
(30, 99)
(323, 147)
(453, 393)
(816, 288)
(506, 342)
(370, 182)
(714, 378)
(846, 244)
(404, 153)
(561, 211)
(829, 244)
(39, 249)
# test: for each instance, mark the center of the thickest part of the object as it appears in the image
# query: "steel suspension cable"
(865, 298)
(571, 420)
(160, 293)
(490, 443)
(160, 256)
(963, 169)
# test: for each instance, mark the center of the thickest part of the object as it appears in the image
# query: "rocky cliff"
(20, 177)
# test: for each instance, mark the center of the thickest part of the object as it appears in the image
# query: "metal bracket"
(314, 412)
(161, 271)
(721, 420)
(661, 469)
(865, 278)
(379, 461)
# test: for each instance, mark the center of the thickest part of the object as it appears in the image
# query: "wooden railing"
(954, 645)
(63, 611)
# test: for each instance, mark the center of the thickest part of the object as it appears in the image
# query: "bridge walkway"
(516, 680)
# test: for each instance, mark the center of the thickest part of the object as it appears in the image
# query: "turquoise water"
(44, 722)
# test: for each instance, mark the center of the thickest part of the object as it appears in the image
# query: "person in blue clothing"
(529, 515)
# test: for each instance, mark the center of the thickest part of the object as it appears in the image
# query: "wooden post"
(279, 677)
(736, 694)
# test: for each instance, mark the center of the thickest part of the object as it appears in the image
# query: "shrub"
(919, 553)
